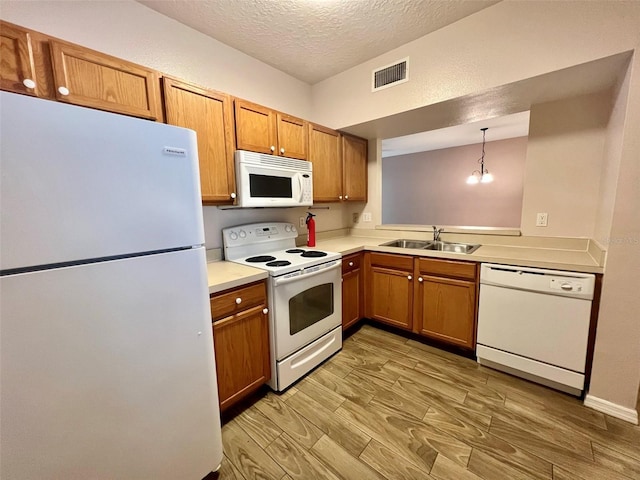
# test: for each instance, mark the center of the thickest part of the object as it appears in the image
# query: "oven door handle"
(283, 281)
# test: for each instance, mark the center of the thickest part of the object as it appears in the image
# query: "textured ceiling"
(316, 39)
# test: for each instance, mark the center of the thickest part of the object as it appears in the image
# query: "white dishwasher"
(534, 323)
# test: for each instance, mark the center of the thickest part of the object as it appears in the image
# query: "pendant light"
(482, 175)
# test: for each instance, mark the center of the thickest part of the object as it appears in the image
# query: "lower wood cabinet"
(352, 290)
(432, 297)
(389, 289)
(241, 341)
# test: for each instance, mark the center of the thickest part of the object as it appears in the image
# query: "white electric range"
(304, 292)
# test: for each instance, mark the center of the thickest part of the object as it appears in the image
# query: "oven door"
(306, 306)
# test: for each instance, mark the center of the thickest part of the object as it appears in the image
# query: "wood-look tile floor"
(386, 407)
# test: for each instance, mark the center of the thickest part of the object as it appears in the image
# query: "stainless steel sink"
(439, 246)
(452, 247)
(407, 243)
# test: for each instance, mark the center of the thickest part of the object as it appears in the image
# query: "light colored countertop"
(223, 275)
(552, 258)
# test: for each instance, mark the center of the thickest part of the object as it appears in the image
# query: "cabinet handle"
(351, 264)
(282, 150)
(346, 197)
(63, 91)
(273, 148)
(420, 279)
(409, 277)
(27, 82)
(340, 197)
(238, 301)
(233, 195)
(265, 310)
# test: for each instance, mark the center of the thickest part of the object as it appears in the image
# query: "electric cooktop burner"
(279, 263)
(260, 259)
(313, 254)
(295, 250)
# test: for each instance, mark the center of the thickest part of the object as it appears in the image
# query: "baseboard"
(613, 409)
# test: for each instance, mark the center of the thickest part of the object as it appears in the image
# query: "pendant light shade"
(482, 175)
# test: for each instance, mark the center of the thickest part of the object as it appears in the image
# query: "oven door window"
(270, 186)
(310, 306)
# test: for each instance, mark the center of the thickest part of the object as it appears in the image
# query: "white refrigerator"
(106, 350)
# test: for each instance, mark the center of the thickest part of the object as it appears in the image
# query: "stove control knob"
(233, 236)
(287, 228)
(243, 234)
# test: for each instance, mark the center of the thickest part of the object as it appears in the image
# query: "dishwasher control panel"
(566, 285)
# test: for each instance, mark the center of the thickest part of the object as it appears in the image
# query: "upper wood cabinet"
(354, 160)
(17, 68)
(92, 79)
(210, 115)
(389, 289)
(260, 129)
(339, 165)
(326, 155)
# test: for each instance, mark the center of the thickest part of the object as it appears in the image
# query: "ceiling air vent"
(390, 75)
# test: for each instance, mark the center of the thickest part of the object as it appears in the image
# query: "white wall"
(616, 362)
(564, 164)
(429, 188)
(507, 42)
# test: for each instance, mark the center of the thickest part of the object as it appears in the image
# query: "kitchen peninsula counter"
(559, 258)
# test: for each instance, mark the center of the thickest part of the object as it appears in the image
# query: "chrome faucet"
(436, 233)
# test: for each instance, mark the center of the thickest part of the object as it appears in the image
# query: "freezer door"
(78, 184)
(108, 371)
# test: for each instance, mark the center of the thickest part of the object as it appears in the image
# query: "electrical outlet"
(542, 219)
(366, 217)
(303, 222)
(354, 217)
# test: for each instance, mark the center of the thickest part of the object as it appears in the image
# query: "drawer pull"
(265, 310)
(238, 301)
(351, 264)
(409, 277)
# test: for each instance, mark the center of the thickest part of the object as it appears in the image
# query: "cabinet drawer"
(401, 262)
(447, 268)
(226, 303)
(351, 262)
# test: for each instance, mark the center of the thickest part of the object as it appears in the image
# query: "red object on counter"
(311, 227)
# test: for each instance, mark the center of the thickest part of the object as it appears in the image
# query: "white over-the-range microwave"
(270, 181)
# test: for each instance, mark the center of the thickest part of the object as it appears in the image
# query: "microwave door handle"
(300, 187)
(283, 281)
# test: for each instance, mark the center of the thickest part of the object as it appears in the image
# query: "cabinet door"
(255, 127)
(324, 153)
(354, 159)
(92, 79)
(210, 115)
(390, 297)
(17, 70)
(293, 137)
(352, 297)
(242, 354)
(445, 310)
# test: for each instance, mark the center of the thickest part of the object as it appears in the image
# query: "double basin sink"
(438, 245)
